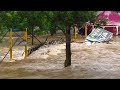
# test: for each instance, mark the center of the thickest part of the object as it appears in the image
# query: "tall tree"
(47, 21)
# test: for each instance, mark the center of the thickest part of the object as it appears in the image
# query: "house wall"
(110, 28)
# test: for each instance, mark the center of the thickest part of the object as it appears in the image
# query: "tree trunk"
(63, 32)
(32, 35)
(52, 32)
(68, 48)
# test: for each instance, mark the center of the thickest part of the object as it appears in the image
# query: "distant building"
(113, 21)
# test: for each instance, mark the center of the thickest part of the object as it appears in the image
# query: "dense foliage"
(47, 21)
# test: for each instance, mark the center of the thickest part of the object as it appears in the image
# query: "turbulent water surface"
(96, 61)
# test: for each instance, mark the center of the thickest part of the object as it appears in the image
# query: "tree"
(48, 21)
(33, 18)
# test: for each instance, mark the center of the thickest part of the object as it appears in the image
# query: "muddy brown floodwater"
(96, 61)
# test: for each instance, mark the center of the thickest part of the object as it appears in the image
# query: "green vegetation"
(47, 21)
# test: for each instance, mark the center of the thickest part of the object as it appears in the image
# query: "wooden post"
(117, 30)
(75, 32)
(92, 27)
(68, 48)
(85, 30)
(25, 38)
(10, 43)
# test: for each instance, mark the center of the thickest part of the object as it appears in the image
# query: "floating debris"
(98, 35)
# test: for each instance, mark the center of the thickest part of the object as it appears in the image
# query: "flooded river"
(96, 61)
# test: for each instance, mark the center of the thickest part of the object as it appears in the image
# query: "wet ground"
(96, 61)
